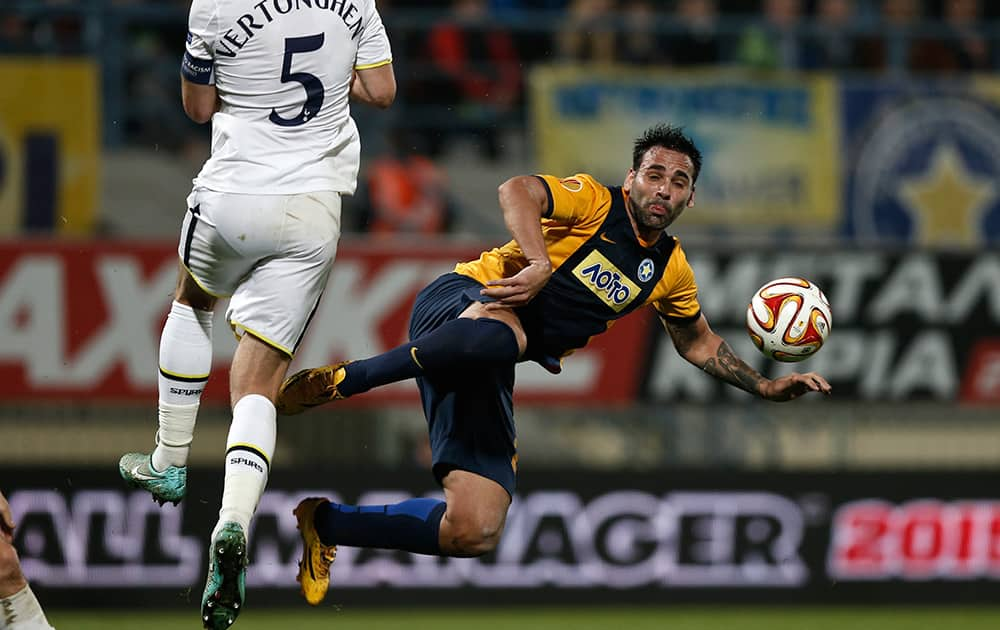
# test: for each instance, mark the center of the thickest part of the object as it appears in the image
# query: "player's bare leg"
(18, 606)
(185, 361)
(256, 374)
(475, 516)
(468, 524)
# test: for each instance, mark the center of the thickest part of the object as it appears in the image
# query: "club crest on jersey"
(646, 269)
(571, 184)
(614, 288)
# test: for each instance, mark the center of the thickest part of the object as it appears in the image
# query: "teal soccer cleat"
(226, 585)
(169, 485)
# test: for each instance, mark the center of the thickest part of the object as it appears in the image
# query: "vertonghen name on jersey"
(267, 11)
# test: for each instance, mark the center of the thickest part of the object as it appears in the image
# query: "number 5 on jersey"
(311, 83)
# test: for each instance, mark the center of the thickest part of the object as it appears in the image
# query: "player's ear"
(690, 203)
(629, 177)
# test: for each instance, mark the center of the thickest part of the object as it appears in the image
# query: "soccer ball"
(789, 319)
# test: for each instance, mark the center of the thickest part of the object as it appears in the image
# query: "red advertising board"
(81, 321)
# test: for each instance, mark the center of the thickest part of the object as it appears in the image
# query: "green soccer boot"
(225, 587)
(167, 486)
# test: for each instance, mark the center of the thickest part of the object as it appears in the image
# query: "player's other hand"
(6, 521)
(794, 385)
(520, 288)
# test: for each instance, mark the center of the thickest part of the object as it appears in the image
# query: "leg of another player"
(477, 511)
(256, 373)
(19, 609)
(468, 523)
(185, 362)
(255, 376)
(477, 338)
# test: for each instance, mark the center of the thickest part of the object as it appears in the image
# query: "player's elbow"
(199, 112)
(383, 102)
(697, 355)
(375, 86)
(523, 190)
(511, 186)
(384, 97)
(199, 101)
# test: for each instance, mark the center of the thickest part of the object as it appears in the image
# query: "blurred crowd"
(461, 64)
(914, 35)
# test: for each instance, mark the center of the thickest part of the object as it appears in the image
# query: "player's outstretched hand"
(520, 288)
(6, 521)
(794, 385)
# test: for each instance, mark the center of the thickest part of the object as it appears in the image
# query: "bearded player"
(583, 255)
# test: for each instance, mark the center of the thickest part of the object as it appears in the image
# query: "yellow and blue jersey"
(601, 270)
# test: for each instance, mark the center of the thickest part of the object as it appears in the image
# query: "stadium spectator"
(773, 43)
(639, 40)
(698, 42)
(963, 47)
(162, 125)
(587, 32)
(582, 256)
(477, 76)
(534, 45)
(19, 608)
(406, 192)
(57, 29)
(832, 45)
(15, 36)
(262, 226)
(897, 49)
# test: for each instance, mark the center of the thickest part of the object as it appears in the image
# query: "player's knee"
(474, 538)
(472, 543)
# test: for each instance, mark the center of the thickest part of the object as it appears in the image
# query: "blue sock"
(458, 344)
(412, 525)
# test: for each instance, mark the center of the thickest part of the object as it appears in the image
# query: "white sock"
(185, 363)
(21, 611)
(248, 458)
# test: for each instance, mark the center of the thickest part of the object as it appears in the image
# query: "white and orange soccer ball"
(789, 319)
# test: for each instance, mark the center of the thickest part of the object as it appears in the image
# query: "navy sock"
(460, 343)
(412, 525)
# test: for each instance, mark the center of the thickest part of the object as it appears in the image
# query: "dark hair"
(668, 137)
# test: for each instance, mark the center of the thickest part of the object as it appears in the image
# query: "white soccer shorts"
(271, 254)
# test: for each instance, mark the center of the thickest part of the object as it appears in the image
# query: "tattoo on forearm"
(727, 366)
(684, 337)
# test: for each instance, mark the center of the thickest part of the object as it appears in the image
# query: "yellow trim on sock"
(255, 448)
(179, 375)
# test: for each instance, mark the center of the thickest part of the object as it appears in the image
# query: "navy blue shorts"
(470, 416)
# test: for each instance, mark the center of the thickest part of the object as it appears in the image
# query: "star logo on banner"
(947, 200)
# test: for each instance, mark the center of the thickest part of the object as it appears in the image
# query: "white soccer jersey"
(282, 69)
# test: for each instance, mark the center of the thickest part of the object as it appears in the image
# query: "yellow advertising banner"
(770, 145)
(49, 146)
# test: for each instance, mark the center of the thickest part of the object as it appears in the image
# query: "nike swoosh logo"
(309, 563)
(138, 474)
(604, 237)
(413, 355)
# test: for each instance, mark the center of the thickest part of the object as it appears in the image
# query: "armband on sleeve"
(197, 70)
